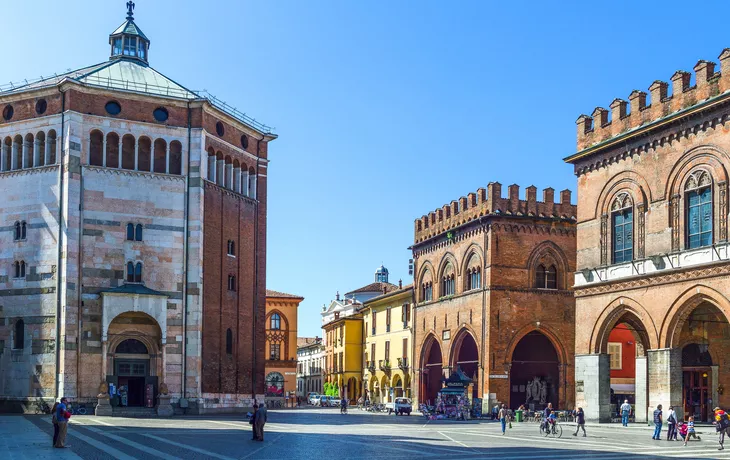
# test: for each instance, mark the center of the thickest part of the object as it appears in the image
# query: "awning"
(623, 388)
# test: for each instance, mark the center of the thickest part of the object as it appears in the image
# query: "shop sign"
(498, 376)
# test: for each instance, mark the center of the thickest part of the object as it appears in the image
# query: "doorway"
(697, 393)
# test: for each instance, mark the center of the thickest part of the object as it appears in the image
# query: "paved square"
(324, 433)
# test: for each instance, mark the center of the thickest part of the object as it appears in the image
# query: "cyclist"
(546, 415)
(343, 406)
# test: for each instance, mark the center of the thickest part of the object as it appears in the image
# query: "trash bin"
(518, 415)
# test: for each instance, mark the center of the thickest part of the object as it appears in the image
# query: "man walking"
(259, 422)
(657, 422)
(625, 412)
(62, 416)
(503, 414)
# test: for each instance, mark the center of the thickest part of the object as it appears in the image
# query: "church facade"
(132, 238)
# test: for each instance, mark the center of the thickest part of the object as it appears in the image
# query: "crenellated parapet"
(624, 116)
(489, 202)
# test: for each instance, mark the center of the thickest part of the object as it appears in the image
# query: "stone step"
(134, 412)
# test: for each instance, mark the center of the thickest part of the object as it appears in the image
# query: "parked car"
(310, 396)
(317, 400)
(400, 406)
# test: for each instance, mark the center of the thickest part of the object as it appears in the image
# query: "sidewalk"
(20, 439)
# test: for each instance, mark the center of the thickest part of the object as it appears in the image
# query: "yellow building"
(388, 331)
(281, 343)
(343, 353)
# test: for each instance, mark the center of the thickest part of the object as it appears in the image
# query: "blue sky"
(386, 110)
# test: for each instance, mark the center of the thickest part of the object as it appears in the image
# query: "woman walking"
(671, 424)
(580, 419)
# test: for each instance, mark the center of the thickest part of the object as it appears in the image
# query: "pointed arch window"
(473, 274)
(698, 192)
(622, 229)
(448, 285)
(232, 283)
(546, 277)
(232, 248)
(275, 321)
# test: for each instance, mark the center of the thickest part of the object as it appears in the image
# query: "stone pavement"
(324, 433)
(21, 439)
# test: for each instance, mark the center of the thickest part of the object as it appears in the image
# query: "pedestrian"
(62, 416)
(722, 425)
(252, 421)
(495, 412)
(683, 429)
(691, 432)
(259, 422)
(671, 424)
(580, 420)
(343, 406)
(503, 417)
(625, 412)
(54, 420)
(657, 422)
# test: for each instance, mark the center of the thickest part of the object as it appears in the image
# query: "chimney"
(338, 296)
(585, 125)
(400, 284)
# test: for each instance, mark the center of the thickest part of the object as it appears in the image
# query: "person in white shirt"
(671, 424)
(625, 412)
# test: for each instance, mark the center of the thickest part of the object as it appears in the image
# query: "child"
(690, 430)
(682, 428)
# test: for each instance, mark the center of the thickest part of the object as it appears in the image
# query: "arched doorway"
(352, 389)
(534, 372)
(703, 334)
(385, 389)
(431, 371)
(466, 357)
(397, 386)
(135, 360)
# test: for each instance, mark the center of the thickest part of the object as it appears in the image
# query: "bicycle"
(41, 407)
(80, 410)
(551, 429)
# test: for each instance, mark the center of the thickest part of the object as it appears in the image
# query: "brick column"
(665, 380)
(593, 386)
(640, 389)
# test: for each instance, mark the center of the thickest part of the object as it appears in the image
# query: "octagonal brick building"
(132, 238)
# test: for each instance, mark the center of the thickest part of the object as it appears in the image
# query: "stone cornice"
(134, 173)
(28, 171)
(659, 279)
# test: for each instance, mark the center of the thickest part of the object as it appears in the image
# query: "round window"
(8, 112)
(219, 128)
(161, 114)
(244, 141)
(41, 106)
(113, 108)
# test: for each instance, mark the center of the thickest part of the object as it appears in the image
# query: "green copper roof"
(132, 288)
(130, 28)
